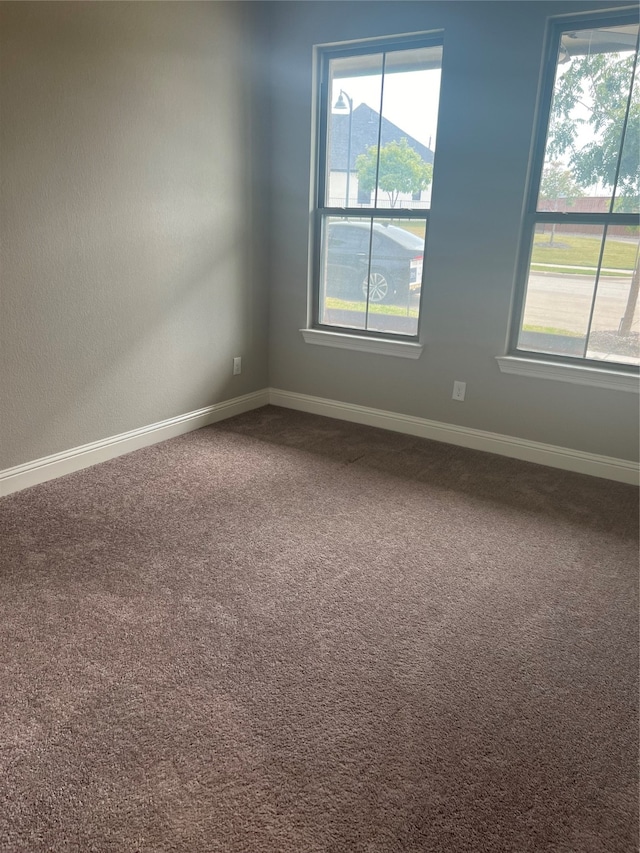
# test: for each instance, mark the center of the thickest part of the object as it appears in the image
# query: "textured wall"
(491, 66)
(132, 260)
(133, 203)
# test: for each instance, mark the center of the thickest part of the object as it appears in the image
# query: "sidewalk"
(586, 269)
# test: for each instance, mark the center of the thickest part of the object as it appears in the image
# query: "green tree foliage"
(401, 170)
(557, 182)
(599, 83)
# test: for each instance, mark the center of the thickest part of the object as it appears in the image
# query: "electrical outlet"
(459, 390)
(237, 366)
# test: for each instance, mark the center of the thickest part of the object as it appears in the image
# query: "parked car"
(396, 261)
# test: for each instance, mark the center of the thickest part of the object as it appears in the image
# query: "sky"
(410, 100)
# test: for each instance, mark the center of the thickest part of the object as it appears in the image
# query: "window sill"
(379, 346)
(575, 374)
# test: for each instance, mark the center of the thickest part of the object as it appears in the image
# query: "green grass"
(576, 271)
(574, 251)
(374, 307)
(551, 330)
(399, 311)
(568, 249)
(583, 251)
(414, 227)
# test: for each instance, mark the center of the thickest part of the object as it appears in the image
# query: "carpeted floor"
(287, 634)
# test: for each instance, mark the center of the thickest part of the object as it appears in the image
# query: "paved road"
(564, 301)
(553, 301)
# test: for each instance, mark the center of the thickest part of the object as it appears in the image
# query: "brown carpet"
(287, 634)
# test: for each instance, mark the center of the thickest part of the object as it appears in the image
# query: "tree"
(557, 182)
(600, 83)
(401, 170)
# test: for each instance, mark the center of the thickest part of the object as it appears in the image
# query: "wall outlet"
(459, 390)
(237, 366)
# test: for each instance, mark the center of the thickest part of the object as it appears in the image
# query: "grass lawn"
(399, 311)
(551, 330)
(578, 271)
(374, 307)
(416, 228)
(583, 251)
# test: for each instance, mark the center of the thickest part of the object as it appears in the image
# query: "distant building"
(364, 134)
(581, 204)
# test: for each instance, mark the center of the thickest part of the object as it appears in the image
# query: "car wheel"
(378, 287)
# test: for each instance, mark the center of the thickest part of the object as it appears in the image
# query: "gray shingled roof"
(364, 134)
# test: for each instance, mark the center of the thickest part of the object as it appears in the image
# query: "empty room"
(319, 426)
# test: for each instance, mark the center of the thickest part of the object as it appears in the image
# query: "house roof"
(364, 134)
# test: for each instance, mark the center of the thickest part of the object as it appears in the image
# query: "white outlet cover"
(459, 390)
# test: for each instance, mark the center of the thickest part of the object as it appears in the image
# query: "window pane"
(353, 115)
(590, 97)
(560, 288)
(371, 274)
(409, 125)
(386, 101)
(615, 326)
(627, 195)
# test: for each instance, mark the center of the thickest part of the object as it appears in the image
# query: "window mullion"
(624, 129)
(568, 218)
(375, 195)
(368, 278)
(596, 283)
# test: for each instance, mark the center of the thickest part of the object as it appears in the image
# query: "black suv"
(396, 261)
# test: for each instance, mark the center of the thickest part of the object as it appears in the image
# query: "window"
(378, 112)
(580, 267)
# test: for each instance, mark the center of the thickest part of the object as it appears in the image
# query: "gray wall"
(131, 217)
(492, 56)
(136, 191)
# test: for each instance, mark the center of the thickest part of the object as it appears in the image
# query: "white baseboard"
(608, 467)
(59, 464)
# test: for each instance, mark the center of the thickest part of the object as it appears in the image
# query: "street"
(564, 302)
